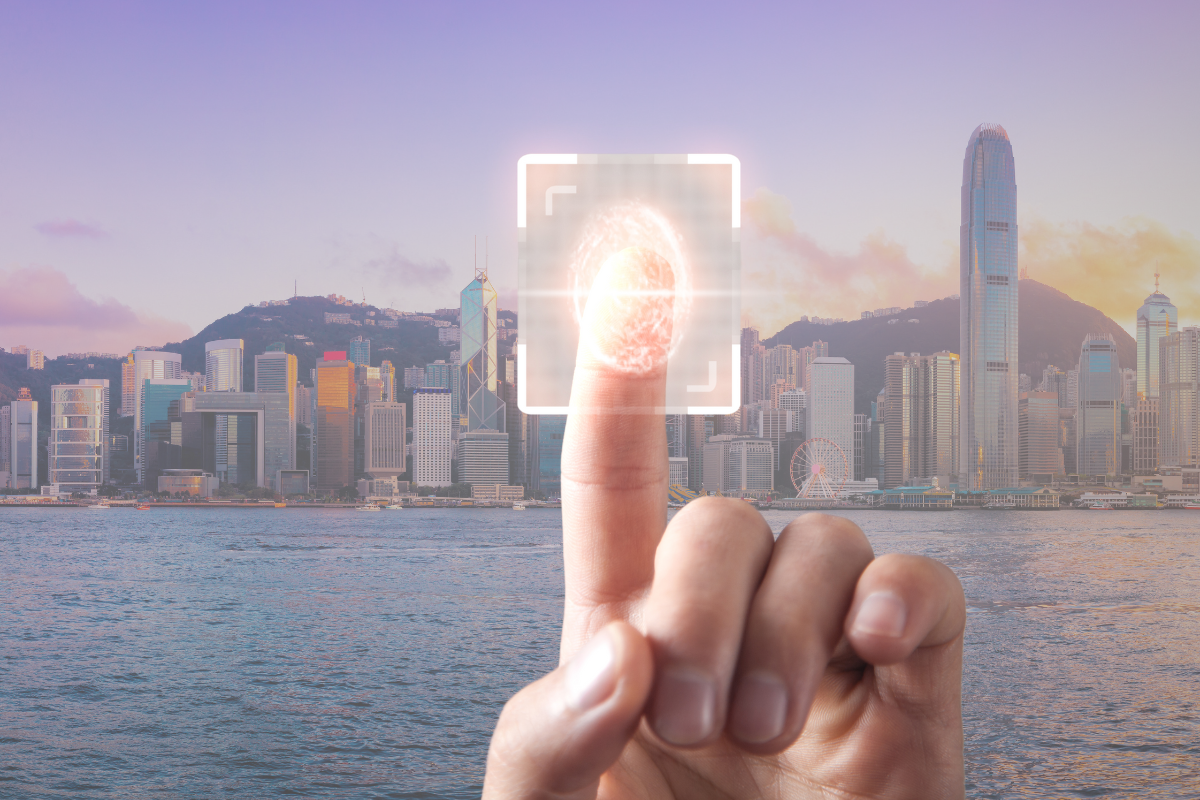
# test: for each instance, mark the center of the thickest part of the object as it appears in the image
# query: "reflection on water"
(202, 653)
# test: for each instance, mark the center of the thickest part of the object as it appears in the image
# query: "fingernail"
(627, 322)
(591, 674)
(759, 708)
(684, 707)
(881, 614)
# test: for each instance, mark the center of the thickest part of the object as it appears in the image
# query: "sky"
(165, 164)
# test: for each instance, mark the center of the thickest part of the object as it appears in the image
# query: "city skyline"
(284, 177)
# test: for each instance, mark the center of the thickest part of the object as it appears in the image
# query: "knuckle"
(827, 532)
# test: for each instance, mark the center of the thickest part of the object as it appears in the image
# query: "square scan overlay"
(572, 210)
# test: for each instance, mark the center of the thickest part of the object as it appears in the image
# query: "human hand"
(703, 658)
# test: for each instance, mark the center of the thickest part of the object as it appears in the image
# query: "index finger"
(614, 459)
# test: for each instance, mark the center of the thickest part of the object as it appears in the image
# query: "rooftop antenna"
(295, 283)
(1156, 283)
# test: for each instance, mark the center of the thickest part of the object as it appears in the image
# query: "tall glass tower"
(1155, 319)
(988, 312)
(1098, 415)
(480, 405)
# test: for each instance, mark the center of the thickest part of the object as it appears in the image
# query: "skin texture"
(705, 659)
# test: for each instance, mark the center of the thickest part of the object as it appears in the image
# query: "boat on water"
(100, 506)
(393, 507)
(518, 506)
(1100, 507)
(1192, 507)
(143, 507)
(999, 506)
(367, 508)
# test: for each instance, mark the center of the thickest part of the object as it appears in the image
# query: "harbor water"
(197, 653)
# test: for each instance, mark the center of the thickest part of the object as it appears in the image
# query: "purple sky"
(174, 162)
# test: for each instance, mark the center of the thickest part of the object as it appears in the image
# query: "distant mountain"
(1051, 329)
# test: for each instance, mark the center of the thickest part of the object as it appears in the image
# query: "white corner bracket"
(553, 190)
(536, 158)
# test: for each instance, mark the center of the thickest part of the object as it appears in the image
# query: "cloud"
(69, 229)
(42, 308)
(786, 274)
(394, 268)
(1112, 267)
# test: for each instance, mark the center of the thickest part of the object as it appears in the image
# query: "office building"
(385, 427)
(1178, 400)
(794, 403)
(187, 482)
(223, 365)
(676, 436)
(678, 471)
(414, 377)
(149, 365)
(22, 441)
(742, 466)
(829, 411)
(78, 445)
(1145, 436)
(359, 351)
(128, 387)
(750, 368)
(482, 407)
(277, 371)
(988, 436)
(1157, 318)
(1040, 456)
(483, 457)
(546, 432)
(261, 422)
(162, 426)
(1129, 393)
(774, 424)
(804, 358)
(1098, 413)
(5, 446)
(333, 423)
(441, 375)
(35, 359)
(862, 432)
(431, 436)
(497, 493)
(387, 374)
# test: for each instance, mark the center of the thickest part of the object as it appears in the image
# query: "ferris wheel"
(819, 469)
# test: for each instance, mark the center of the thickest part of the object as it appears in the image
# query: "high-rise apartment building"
(1179, 398)
(35, 359)
(359, 351)
(1098, 414)
(481, 403)
(78, 446)
(749, 372)
(830, 405)
(431, 436)
(988, 312)
(1155, 319)
(22, 438)
(1040, 455)
(149, 365)
(333, 422)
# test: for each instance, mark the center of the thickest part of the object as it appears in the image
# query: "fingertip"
(902, 603)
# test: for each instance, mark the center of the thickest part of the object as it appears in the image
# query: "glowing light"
(624, 226)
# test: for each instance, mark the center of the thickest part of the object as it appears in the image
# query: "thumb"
(557, 736)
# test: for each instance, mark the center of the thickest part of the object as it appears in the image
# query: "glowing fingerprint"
(627, 323)
(635, 225)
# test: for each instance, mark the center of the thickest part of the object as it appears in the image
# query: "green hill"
(1051, 328)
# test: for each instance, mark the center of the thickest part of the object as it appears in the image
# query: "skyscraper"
(920, 409)
(387, 374)
(148, 365)
(988, 312)
(829, 412)
(481, 406)
(5, 446)
(22, 439)
(385, 426)
(277, 371)
(78, 446)
(359, 351)
(1037, 419)
(223, 365)
(1155, 319)
(1098, 418)
(333, 423)
(431, 436)
(128, 387)
(441, 375)
(1179, 398)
